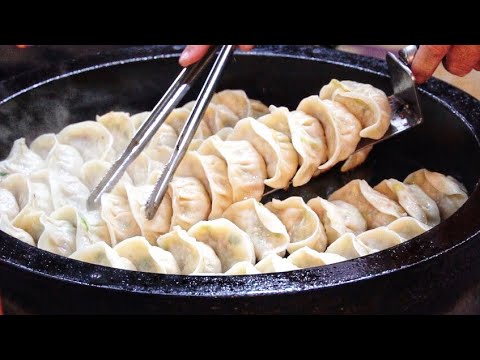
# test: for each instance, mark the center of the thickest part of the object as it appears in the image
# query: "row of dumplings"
(251, 238)
(44, 187)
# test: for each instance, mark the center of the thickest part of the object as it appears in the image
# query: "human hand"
(193, 53)
(457, 59)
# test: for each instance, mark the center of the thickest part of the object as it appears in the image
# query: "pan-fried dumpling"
(303, 225)
(218, 117)
(190, 201)
(258, 108)
(34, 199)
(338, 217)
(377, 209)
(192, 256)
(341, 128)
(369, 105)
(43, 144)
(65, 164)
(11, 230)
(212, 172)
(447, 193)
(378, 239)
(8, 204)
(21, 160)
(413, 199)
(235, 100)
(116, 213)
(160, 224)
(102, 254)
(138, 119)
(178, 118)
(91, 229)
(121, 128)
(356, 159)
(141, 167)
(307, 136)
(146, 257)
(166, 136)
(224, 133)
(242, 268)
(91, 139)
(245, 167)
(266, 231)
(59, 236)
(307, 258)
(275, 148)
(93, 171)
(348, 247)
(274, 263)
(230, 243)
(408, 227)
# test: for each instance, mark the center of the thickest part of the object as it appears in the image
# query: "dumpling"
(307, 258)
(190, 201)
(212, 172)
(356, 159)
(8, 204)
(166, 136)
(115, 211)
(242, 268)
(230, 243)
(102, 254)
(276, 149)
(377, 209)
(258, 108)
(91, 229)
(413, 199)
(245, 167)
(13, 231)
(369, 105)
(146, 257)
(65, 164)
(141, 167)
(160, 224)
(303, 225)
(447, 193)
(192, 256)
(348, 247)
(338, 217)
(138, 119)
(218, 117)
(177, 119)
(378, 239)
(121, 128)
(408, 227)
(341, 128)
(93, 171)
(274, 263)
(21, 160)
(43, 144)
(91, 139)
(235, 100)
(59, 236)
(266, 231)
(224, 133)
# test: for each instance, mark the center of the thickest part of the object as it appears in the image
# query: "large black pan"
(436, 272)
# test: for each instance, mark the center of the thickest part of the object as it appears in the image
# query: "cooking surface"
(82, 50)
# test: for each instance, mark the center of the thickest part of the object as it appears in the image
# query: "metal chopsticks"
(188, 131)
(175, 93)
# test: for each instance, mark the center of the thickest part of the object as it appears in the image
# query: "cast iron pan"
(436, 272)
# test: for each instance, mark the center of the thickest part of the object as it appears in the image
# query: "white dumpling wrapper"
(302, 223)
(274, 263)
(266, 231)
(192, 256)
(408, 227)
(59, 236)
(230, 243)
(378, 239)
(43, 144)
(21, 160)
(307, 258)
(147, 258)
(101, 254)
(242, 268)
(7, 227)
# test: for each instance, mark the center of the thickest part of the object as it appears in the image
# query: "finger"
(477, 67)
(461, 59)
(246, 47)
(426, 60)
(192, 53)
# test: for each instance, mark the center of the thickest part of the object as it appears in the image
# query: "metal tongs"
(175, 93)
(406, 110)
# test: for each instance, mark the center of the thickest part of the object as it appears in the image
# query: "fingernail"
(184, 57)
